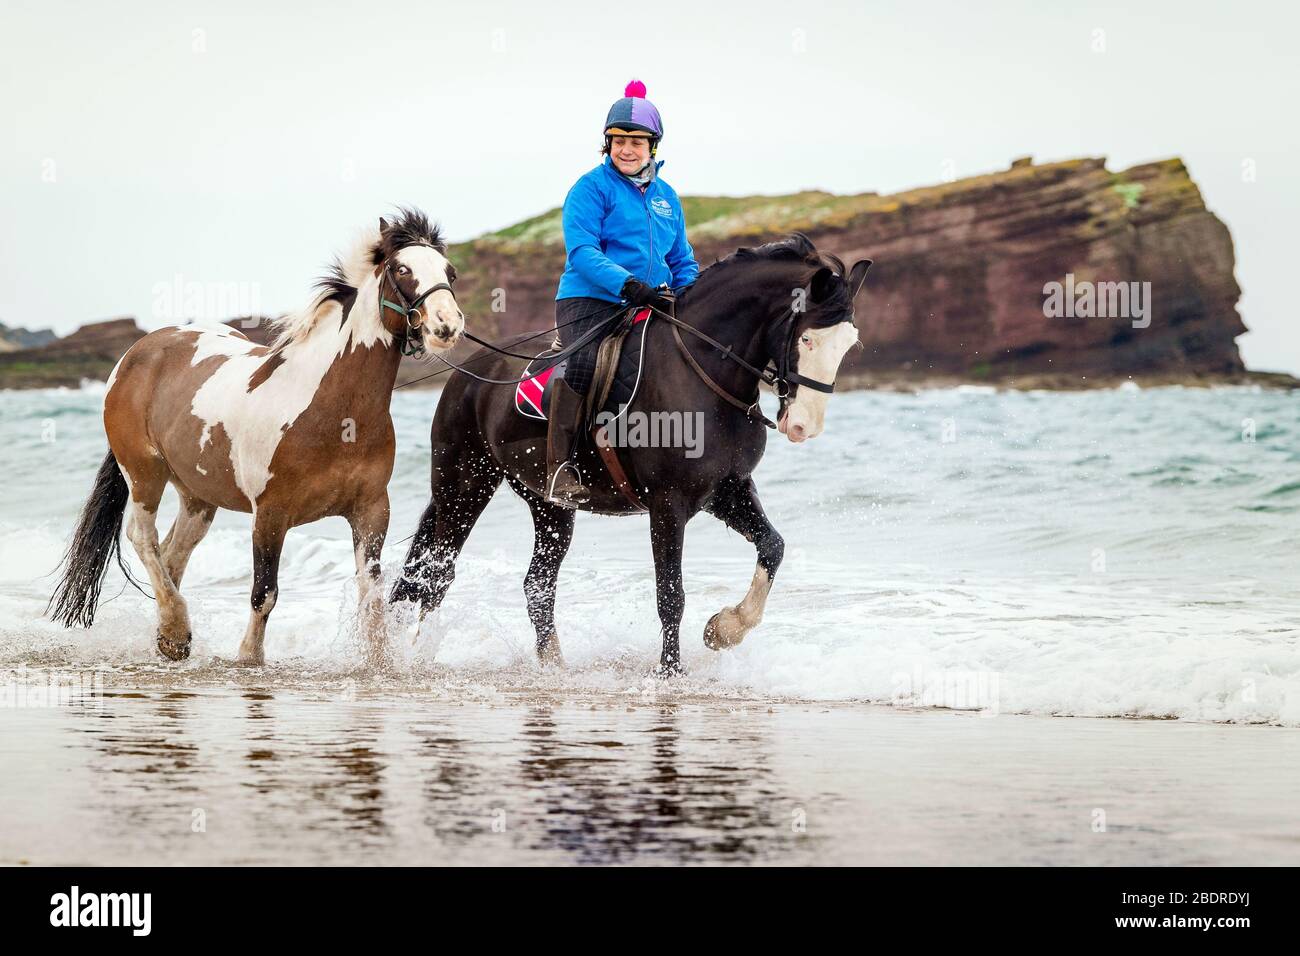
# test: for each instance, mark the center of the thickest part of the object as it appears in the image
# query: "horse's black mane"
(797, 248)
(334, 285)
(410, 227)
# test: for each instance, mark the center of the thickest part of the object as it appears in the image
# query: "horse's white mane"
(351, 269)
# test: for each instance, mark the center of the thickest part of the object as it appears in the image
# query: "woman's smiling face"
(629, 153)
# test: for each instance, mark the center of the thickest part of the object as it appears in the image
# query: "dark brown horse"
(783, 303)
(292, 432)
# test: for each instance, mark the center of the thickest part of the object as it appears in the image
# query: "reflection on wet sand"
(271, 775)
(265, 773)
(610, 801)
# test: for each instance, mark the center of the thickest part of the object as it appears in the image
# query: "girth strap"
(609, 455)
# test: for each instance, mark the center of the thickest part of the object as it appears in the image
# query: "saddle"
(614, 384)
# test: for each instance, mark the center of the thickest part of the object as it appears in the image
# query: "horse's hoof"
(724, 630)
(669, 671)
(174, 650)
(548, 652)
(247, 658)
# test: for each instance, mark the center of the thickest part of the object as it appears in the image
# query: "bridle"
(778, 375)
(412, 342)
(785, 376)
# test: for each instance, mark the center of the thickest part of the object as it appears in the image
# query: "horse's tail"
(97, 538)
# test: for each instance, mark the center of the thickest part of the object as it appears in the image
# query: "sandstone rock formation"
(1058, 275)
(958, 286)
(88, 353)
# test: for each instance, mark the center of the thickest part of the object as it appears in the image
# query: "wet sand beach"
(237, 768)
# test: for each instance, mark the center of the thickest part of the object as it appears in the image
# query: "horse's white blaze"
(429, 267)
(820, 352)
(256, 421)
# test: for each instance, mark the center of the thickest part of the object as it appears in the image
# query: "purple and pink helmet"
(634, 115)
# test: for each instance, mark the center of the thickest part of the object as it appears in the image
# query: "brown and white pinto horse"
(291, 432)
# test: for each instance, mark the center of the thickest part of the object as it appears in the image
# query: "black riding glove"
(637, 292)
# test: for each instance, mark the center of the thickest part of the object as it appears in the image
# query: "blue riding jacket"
(612, 230)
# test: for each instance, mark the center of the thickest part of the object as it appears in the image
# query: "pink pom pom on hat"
(634, 114)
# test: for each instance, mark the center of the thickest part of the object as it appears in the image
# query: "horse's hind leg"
(189, 528)
(552, 534)
(459, 496)
(736, 503)
(147, 477)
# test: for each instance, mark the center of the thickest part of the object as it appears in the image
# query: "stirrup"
(572, 498)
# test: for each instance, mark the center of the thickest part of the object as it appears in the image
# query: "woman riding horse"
(625, 239)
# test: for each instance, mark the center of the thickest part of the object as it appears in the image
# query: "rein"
(780, 378)
(779, 375)
(553, 359)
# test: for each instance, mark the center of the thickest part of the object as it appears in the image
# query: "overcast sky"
(240, 144)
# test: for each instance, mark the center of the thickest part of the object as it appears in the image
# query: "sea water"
(1128, 552)
(965, 570)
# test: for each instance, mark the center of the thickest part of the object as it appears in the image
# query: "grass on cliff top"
(742, 217)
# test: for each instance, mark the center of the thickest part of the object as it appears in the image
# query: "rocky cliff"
(90, 352)
(962, 286)
(1058, 275)
(11, 340)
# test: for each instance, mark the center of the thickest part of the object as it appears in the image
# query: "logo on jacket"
(663, 207)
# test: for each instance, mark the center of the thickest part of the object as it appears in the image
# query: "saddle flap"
(617, 379)
(533, 394)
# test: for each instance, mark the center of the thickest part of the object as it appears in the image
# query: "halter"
(412, 343)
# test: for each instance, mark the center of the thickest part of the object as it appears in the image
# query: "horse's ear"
(857, 276)
(383, 224)
(823, 281)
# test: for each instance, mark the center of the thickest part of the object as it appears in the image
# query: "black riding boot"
(564, 481)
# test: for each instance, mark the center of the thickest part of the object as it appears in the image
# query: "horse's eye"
(806, 339)
(403, 271)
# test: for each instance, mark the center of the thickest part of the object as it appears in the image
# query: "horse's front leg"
(269, 529)
(667, 530)
(736, 504)
(369, 528)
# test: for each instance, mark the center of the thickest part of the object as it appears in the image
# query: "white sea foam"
(1095, 554)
